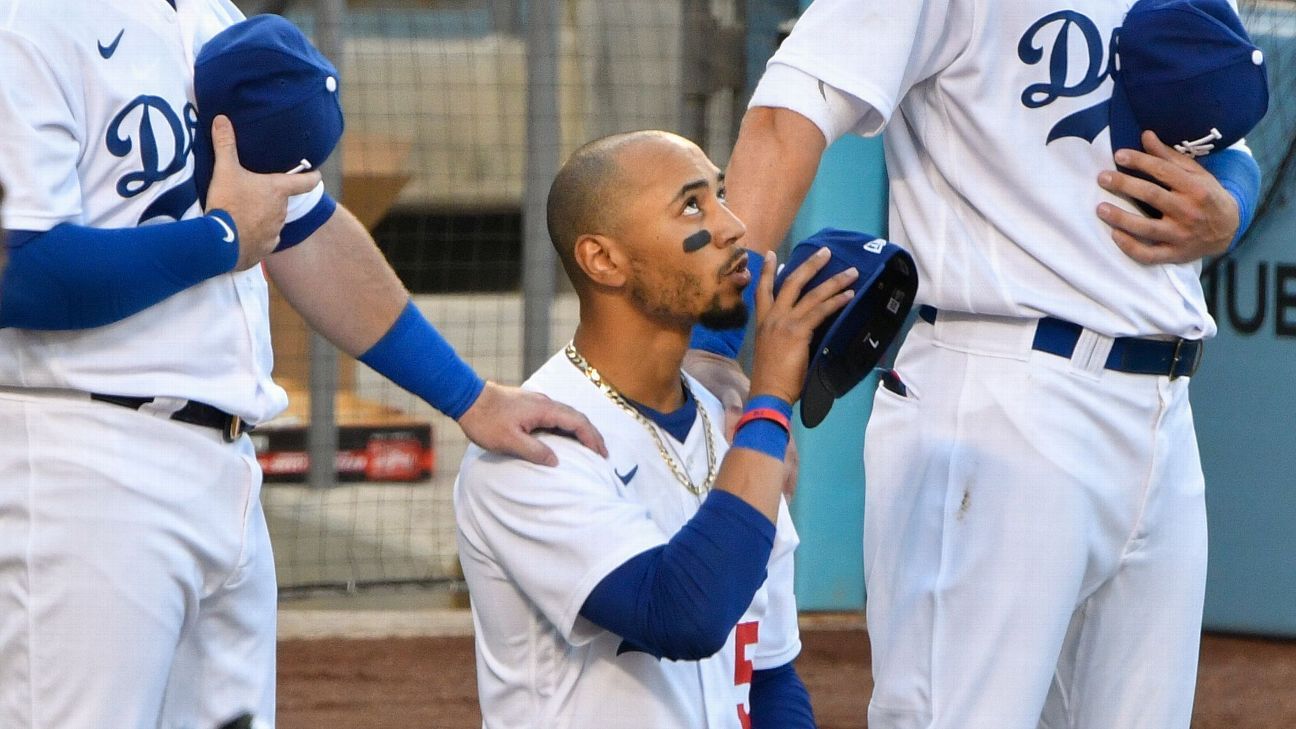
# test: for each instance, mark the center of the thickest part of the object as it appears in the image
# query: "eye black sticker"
(697, 241)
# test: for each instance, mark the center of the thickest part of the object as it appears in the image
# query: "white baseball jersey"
(535, 541)
(996, 130)
(97, 122)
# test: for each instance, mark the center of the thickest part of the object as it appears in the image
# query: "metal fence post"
(322, 437)
(544, 140)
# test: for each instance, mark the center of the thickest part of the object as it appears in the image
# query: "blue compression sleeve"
(302, 228)
(415, 356)
(728, 342)
(681, 600)
(74, 277)
(1238, 173)
(779, 700)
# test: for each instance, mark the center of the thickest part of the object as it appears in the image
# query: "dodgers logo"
(1061, 65)
(164, 141)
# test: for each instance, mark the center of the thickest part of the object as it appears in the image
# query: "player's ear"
(601, 260)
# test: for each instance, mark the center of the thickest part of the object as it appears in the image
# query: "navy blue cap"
(846, 347)
(279, 92)
(1187, 70)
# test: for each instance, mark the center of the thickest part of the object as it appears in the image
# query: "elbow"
(697, 640)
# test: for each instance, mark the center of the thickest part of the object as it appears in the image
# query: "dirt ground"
(429, 683)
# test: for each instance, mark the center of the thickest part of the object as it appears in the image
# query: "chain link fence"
(440, 158)
(444, 161)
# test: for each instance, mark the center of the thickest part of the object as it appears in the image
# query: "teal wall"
(849, 192)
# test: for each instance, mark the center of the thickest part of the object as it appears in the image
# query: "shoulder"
(45, 20)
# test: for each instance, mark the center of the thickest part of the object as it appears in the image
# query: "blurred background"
(458, 113)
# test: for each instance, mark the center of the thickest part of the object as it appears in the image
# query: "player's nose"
(730, 230)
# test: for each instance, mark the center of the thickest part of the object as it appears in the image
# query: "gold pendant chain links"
(676, 467)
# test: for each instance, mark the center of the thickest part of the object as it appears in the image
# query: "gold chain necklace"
(676, 467)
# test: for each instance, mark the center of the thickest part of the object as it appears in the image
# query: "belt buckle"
(1177, 357)
(233, 429)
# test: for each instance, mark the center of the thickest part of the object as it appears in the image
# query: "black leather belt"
(1170, 357)
(194, 413)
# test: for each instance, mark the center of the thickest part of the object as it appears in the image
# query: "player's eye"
(691, 206)
(722, 195)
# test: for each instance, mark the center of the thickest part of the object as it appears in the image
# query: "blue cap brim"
(847, 347)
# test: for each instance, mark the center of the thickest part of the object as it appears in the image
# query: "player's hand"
(724, 378)
(258, 203)
(504, 420)
(784, 325)
(1199, 217)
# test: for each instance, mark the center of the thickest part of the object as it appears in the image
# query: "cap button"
(330, 83)
(1257, 57)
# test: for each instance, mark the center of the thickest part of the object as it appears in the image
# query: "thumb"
(299, 183)
(224, 146)
(765, 287)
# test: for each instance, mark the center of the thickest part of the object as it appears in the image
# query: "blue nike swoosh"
(108, 51)
(625, 480)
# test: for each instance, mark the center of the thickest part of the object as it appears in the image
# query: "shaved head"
(585, 197)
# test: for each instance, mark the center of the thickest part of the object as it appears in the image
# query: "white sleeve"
(41, 139)
(831, 109)
(873, 51)
(299, 205)
(780, 637)
(556, 532)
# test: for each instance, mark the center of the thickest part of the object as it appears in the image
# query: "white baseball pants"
(136, 579)
(1035, 537)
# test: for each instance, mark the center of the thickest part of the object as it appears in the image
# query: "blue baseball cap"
(846, 347)
(1187, 70)
(279, 92)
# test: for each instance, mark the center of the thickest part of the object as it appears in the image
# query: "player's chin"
(725, 315)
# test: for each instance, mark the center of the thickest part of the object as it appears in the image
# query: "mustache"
(736, 262)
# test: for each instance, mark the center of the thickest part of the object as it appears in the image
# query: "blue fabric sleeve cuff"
(728, 342)
(303, 227)
(763, 435)
(415, 356)
(772, 402)
(682, 600)
(1238, 173)
(76, 277)
(779, 700)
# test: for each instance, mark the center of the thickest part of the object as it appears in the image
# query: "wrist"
(765, 426)
(414, 355)
(227, 233)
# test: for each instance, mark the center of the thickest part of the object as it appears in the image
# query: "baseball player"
(653, 587)
(137, 588)
(1035, 534)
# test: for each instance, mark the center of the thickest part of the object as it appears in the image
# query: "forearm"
(75, 277)
(340, 283)
(681, 600)
(779, 700)
(772, 167)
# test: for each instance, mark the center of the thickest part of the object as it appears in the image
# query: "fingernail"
(823, 252)
(1122, 156)
(1104, 178)
(849, 293)
(852, 272)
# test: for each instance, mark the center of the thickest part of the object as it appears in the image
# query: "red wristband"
(764, 414)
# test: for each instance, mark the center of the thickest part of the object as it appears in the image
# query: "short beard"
(715, 317)
(660, 302)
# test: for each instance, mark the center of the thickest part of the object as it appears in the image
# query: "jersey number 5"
(745, 635)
